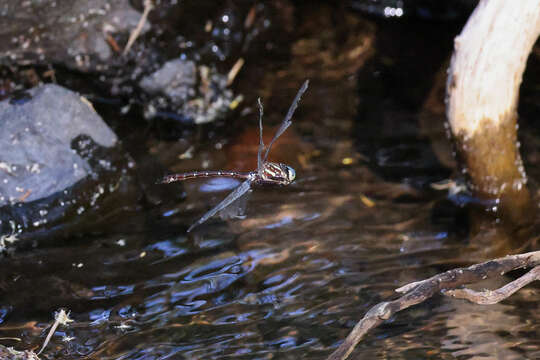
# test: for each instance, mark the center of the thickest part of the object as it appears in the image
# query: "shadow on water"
(291, 279)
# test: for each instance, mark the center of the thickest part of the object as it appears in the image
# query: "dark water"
(291, 279)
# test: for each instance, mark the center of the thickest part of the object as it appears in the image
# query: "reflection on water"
(291, 279)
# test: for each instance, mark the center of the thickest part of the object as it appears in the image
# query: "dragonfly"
(267, 173)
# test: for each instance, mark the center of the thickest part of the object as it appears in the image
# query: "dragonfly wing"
(237, 209)
(261, 143)
(238, 192)
(287, 121)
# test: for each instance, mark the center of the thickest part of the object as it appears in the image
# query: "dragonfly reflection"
(266, 173)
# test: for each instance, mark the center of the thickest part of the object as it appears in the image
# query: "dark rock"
(35, 143)
(73, 33)
(58, 160)
(7, 353)
(174, 87)
(176, 79)
(177, 72)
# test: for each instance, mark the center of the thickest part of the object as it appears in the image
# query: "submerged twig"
(61, 317)
(148, 6)
(420, 291)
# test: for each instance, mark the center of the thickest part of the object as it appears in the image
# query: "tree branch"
(490, 297)
(420, 291)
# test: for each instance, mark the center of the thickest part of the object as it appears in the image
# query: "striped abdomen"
(203, 174)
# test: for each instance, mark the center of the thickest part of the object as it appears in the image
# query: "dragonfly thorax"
(277, 173)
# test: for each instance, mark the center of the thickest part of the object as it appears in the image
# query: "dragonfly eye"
(291, 174)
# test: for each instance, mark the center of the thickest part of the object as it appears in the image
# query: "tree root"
(447, 283)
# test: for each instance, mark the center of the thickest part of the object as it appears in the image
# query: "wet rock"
(36, 157)
(74, 33)
(175, 78)
(7, 353)
(208, 37)
(174, 87)
(57, 160)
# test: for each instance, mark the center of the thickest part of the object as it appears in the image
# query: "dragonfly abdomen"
(203, 174)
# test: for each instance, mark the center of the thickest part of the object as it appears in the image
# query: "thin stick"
(420, 291)
(234, 71)
(148, 6)
(60, 318)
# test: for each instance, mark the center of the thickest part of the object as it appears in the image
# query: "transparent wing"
(238, 192)
(237, 209)
(261, 143)
(287, 121)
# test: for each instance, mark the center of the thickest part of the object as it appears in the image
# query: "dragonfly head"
(290, 173)
(277, 173)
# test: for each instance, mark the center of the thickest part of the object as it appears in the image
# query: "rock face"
(60, 165)
(73, 33)
(36, 132)
(7, 353)
(174, 86)
(176, 79)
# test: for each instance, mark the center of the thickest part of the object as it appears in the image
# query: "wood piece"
(419, 291)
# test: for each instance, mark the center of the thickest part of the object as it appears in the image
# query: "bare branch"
(420, 291)
(490, 297)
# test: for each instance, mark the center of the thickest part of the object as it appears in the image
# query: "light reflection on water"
(219, 184)
(285, 292)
